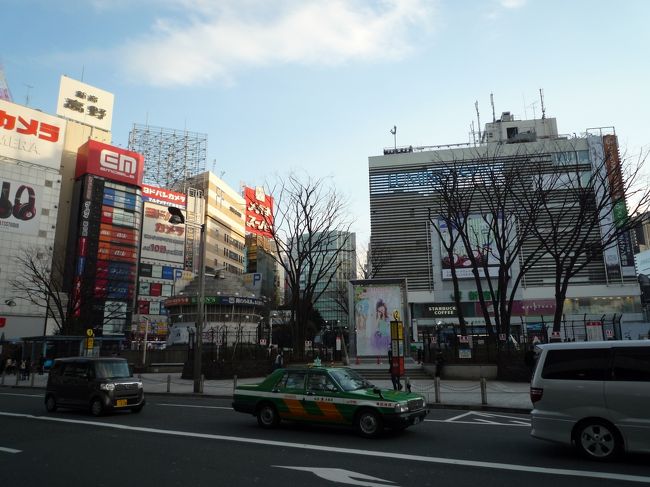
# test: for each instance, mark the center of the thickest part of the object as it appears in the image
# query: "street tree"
(310, 229)
(588, 209)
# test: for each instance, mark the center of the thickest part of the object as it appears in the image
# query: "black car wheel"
(50, 403)
(369, 423)
(137, 409)
(267, 416)
(598, 440)
(96, 407)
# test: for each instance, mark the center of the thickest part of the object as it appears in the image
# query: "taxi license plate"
(120, 403)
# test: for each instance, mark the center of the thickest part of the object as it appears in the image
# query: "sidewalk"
(463, 394)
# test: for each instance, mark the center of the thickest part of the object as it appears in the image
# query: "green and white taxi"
(328, 395)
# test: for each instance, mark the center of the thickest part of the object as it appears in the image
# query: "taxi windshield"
(112, 369)
(349, 380)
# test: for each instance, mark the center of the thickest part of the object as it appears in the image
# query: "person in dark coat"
(440, 363)
(393, 369)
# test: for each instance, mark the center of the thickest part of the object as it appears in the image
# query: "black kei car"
(97, 384)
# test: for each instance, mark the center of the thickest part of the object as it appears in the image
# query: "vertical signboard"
(20, 206)
(259, 211)
(610, 253)
(373, 307)
(619, 210)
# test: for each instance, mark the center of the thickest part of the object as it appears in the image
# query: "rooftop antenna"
(478, 118)
(494, 118)
(541, 97)
(472, 133)
(29, 87)
(394, 132)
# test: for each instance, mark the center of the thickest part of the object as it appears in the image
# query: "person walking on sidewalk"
(393, 369)
(279, 361)
(440, 363)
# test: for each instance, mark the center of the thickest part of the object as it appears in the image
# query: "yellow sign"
(90, 343)
(89, 332)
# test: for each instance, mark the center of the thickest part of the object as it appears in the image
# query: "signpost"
(397, 342)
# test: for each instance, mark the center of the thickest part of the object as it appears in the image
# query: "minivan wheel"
(267, 416)
(598, 440)
(137, 409)
(96, 407)
(50, 403)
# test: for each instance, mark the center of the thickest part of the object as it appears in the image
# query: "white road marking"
(348, 451)
(458, 417)
(342, 476)
(492, 415)
(191, 406)
(21, 395)
(477, 422)
(9, 450)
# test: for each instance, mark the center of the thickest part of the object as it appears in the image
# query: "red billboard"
(110, 162)
(259, 211)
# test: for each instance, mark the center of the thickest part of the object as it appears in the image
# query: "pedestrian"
(23, 369)
(420, 354)
(393, 369)
(529, 359)
(440, 363)
(278, 363)
(8, 367)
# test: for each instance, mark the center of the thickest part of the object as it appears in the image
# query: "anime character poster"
(373, 310)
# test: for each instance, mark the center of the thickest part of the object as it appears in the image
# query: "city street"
(190, 441)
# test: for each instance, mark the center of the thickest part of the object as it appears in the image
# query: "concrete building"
(402, 191)
(31, 147)
(224, 220)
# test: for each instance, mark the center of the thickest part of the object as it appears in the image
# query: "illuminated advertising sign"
(481, 239)
(31, 136)
(259, 212)
(20, 206)
(160, 239)
(110, 162)
(374, 306)
(85, 104)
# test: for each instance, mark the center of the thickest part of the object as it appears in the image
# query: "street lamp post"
(144, 345)
(178, 218)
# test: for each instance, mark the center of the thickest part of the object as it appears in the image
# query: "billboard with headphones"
(19, 207)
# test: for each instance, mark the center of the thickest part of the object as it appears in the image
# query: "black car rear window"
(577, 364)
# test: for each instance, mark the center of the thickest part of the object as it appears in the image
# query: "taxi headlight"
(107, 387)
(139, 385)
(401, 408)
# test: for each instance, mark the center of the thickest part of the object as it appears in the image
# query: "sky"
(316, 86)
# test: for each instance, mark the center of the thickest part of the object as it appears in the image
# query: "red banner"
(259, 211)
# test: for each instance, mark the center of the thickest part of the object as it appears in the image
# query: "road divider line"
(191, 406)
(348, 451)
(477, 422)
(9, 450)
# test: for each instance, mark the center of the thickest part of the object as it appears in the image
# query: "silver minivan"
(593, 395)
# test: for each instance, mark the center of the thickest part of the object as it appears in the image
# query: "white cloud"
(214, 40)
(512, 3)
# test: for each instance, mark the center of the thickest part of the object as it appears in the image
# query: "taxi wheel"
(369, 423)
(267, 416)
(96, 407)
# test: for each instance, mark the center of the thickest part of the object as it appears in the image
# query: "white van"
(594, 395)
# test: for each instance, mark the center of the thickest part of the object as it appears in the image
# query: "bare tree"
(310, 229)
(41, 284)
(585, 215)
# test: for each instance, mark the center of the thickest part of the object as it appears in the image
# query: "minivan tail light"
(536, 394)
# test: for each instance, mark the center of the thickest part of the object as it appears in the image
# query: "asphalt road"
(189, 441)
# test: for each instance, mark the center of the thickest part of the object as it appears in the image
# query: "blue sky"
(316, 85)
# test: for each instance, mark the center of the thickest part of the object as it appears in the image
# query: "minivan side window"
(577, 364)
(632, 364)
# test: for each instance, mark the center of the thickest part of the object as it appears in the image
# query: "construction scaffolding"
(170, 156)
